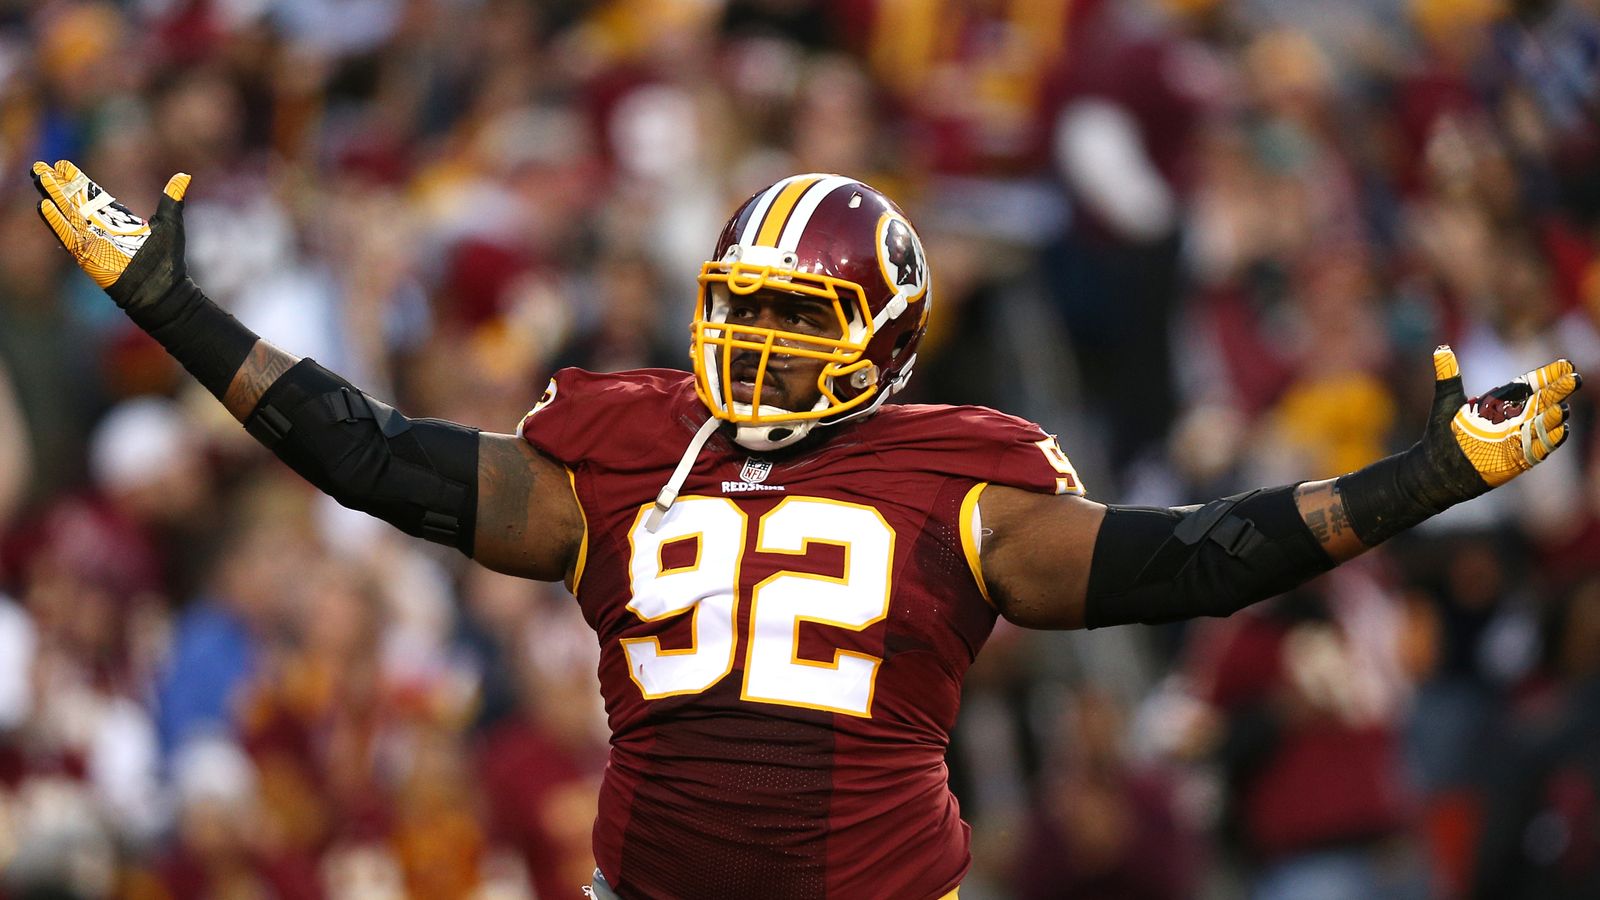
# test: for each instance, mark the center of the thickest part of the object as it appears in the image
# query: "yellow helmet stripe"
(801, 217)
(782, 207)
(763, 202)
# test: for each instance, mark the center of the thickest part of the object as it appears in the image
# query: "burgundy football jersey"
(782, 658)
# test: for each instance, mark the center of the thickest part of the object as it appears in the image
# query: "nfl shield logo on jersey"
(755, 470)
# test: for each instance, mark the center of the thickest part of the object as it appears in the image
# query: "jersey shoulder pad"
(979, 443)
(587, 416)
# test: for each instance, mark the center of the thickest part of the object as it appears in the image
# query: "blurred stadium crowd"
(1210, 243)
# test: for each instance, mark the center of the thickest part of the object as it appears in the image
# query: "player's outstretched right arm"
(491, 496)
(1065, 562)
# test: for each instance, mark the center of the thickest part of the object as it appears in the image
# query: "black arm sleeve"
(1162, 565)
(420, 475)
(1399, 491)
(200, 335)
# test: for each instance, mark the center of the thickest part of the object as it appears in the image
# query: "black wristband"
(159, 268)
(200, 335)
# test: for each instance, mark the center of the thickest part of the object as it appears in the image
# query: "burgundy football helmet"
(827, 237)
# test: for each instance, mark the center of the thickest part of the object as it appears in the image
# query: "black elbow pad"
(420, 475)
(1163, 565)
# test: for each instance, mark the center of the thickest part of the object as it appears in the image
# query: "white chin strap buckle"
(669, 491)
(771, 437)
(664, 501)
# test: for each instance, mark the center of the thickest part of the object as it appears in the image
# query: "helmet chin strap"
(761, 438)
(758, 438)
(669, 491)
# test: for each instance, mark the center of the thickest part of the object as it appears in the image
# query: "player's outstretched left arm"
(1066, 562)
(492, 496)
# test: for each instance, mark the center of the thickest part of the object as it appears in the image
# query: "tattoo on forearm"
(1328, 522)
(1322, 507)
(1338, 518)
(1317, 521)
(261, 368)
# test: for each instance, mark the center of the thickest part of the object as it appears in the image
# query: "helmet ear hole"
(900, 343)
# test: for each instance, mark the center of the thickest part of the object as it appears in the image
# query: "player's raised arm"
(491, 496)
(1065, 562)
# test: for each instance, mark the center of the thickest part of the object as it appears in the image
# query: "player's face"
(791, 381)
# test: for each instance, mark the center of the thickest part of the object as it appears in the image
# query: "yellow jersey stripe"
(583, 544)
(969, 543)
(782, 207)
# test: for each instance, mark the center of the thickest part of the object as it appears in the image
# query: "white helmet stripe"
(752, 226)
(808, 204)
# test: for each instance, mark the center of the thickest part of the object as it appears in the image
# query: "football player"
(788, 577)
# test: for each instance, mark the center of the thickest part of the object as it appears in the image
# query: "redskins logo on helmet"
(827, 237)
(900, 256)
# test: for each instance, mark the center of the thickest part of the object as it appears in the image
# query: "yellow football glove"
(141, 265)
(105, 236)
(1469, 447)
(1517, 425)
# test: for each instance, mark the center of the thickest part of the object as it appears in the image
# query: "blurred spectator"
(1304, 693)
(16, 462)
(1127, 107)
(222, 845)
(1102, 827)
(1542, 831)
(627, 335)
(1474, 640)
(219, 641)
(539, 765)
(38, 337)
